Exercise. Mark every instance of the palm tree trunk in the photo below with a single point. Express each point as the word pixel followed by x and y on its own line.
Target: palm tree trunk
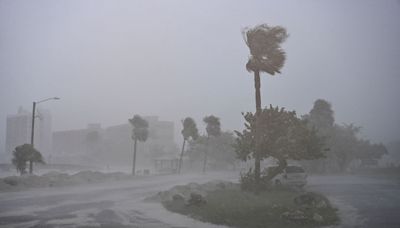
pixel 180 159
pixel 30 167
pixel 205 162
pixel 257 160
pixel 282 164
pixel 134 157
pixel 205 155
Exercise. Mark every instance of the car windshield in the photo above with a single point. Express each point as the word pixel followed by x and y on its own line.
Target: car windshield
pixel 294 169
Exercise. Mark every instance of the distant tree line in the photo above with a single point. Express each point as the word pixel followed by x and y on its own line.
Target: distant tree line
pixel 345 148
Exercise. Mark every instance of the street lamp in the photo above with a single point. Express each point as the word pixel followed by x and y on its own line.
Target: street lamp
pixel 33 124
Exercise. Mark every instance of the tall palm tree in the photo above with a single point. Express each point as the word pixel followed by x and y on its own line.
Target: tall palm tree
pixel 24 153
pixel 213 128
pixel 140 132
pixel 266 55
pixel 189 131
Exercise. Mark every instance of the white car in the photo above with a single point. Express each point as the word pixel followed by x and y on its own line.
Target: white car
pixel 292 175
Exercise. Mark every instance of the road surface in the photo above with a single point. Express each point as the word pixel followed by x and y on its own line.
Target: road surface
pixel 368 202
pixel 113 204
pixel 362 202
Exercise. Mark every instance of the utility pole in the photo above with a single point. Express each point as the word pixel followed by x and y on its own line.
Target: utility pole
pixel 33 127
pixel 32 135
pixel 33 123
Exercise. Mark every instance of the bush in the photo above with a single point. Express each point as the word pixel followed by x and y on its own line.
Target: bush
pixel 248 182
pixel 13 180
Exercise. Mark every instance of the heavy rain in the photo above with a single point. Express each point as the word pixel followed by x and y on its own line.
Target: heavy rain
pixel 198 114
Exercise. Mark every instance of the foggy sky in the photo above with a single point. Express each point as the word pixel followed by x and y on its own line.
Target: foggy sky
pixel 109 60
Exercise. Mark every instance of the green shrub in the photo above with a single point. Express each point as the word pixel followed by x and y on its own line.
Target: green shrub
pixel 248 182
pixel 13 181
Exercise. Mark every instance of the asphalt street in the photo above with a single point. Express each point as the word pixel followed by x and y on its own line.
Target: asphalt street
pixel 113 204
pixel 362 202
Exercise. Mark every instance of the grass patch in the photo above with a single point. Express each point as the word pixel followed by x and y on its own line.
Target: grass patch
pixel 245 210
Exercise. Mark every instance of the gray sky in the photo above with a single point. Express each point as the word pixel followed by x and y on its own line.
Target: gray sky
pixel 108 60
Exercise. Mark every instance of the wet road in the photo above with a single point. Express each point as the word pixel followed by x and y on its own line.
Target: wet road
pixel 368 202
pixel 113 204
pixel 363 202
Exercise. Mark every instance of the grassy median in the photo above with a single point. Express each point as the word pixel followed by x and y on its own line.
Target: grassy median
pixel 275 208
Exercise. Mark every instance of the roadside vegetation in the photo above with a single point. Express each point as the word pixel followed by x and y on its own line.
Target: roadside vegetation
pixel 283 137
pixel 213 129
pixel 270 133
pixel 189 131
pixel 226 204
pixel 346 149
pixel 140 133
pixel 24 154
pixel 266 55
pixel 221 153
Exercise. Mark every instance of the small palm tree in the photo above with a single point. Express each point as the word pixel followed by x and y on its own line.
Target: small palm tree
pixel 189 131
pixel 266 55
pixel 24 153
pixel 213 128
pixel 140 132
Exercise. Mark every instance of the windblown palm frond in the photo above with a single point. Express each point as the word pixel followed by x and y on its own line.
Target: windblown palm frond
pixel 189 129
pixel 264 44
pixel 140 128
pixel 213 127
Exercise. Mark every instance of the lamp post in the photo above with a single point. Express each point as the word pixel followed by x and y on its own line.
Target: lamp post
pixel 33 125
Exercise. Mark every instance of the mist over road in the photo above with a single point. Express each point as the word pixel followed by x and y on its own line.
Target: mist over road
pixel 112 204
pixel 362 202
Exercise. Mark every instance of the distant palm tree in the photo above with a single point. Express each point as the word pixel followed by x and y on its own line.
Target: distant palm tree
pixel 140 132
pixel 189 131
pixel 266 55
pixel 213 128
pixel 24 153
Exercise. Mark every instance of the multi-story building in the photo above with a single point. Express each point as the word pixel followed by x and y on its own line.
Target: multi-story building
pixel 18 132
pixel 113 146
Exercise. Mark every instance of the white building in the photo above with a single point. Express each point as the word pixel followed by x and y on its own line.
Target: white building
pixel 18 132
pixel 97 146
